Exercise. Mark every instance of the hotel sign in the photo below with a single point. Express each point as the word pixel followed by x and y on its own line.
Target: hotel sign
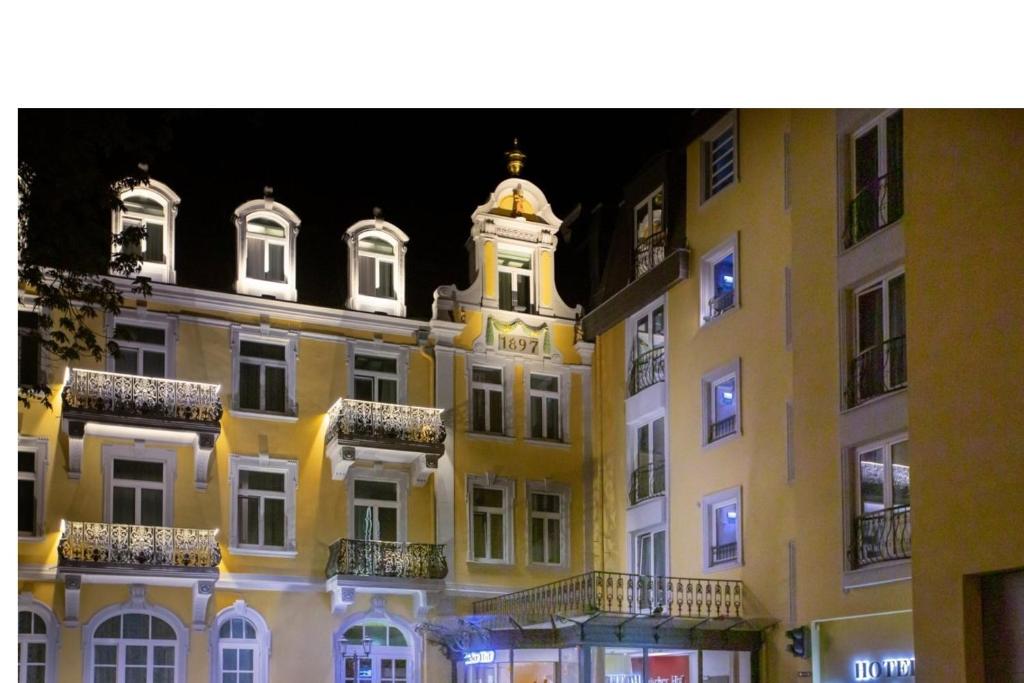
pixel 877 670
pixel 481 657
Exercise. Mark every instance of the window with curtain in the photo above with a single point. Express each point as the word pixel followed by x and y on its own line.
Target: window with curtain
pixel 144 211
pixel 264 249
pixel 515 270
pixel 376 266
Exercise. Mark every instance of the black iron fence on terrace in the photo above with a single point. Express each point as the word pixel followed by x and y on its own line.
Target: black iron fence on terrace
pixel 647 370
pixel 881 536
pixel 725 552
pixel 649 252
pixel 617 593
pixel 875 206
pixel 353 557
pixel 876 371
pixel 646 482
pixel 720 304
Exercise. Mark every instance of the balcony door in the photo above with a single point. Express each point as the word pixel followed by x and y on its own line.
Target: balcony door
pixel 376 509
pixel 648 475
pixel 390 659
pixel 138 485
pixel 650 557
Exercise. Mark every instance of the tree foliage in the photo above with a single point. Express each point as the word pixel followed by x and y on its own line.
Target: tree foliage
pixel 73 167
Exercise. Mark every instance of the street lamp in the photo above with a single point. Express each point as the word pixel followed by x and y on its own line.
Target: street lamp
pixel 343 648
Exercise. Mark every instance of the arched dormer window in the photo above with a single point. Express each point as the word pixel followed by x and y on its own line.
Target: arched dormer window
pixel 266 232
pixel 38 633
pixel 376 270
pixel 239 646
pixel 153 206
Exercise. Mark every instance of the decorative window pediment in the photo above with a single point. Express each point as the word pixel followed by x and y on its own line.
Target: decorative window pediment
pixel 266 233
pixel 153 206
pixel 376 267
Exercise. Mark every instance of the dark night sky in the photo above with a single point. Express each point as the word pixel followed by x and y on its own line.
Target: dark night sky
pixel 427 170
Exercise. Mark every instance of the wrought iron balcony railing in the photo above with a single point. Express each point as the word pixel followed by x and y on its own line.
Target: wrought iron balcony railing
pixel 647 370
pixel 649 252
pixel 722 428
pixel 352 557
pixel 646 482
pixel 720 304
pixel 407 427
pixel 881 536
pixel 875 206
pixel 617 593
pixel 876 371
pixel 102 545
pixel 725 552
pixel 123 395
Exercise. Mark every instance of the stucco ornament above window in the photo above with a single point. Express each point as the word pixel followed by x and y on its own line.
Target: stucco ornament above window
pixel 376 266
pixel 265 247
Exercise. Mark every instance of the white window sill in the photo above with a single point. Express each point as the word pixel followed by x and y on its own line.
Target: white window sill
pixel 262 552
pixel 489 563
pixel 874 399
pixel 548 567
pixel 846 250
pixel 554 443
pixel 269 417
pixel 718 442
pixel 711 321
pixel 733 183
pixel 30 539
pixel 722 566
pixel 490 436
pixel 877 574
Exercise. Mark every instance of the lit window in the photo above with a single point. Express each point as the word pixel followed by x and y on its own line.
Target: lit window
pixel 135 646
pixel 488 400
pixel 515 271
pixel 490 519
pixel 722 522
pixel 263 510
pixel 376 267
pixel 375 378
pixel 879 364
pixel 376 273
pixel 239 645
pixel 37 642
pixel 264 249
pixel 146 212
pixel 719 152
pixel 548 520
pixel 650 556
pixel 719 281
pixel 881 523
pixel 267 232
pixel 391 659
pixel 721 389
pixel 648 350
pixel 375 510
pixel 545 420
pixel 649 232
pixel 152 207
pixel 877 151
pixel 648 477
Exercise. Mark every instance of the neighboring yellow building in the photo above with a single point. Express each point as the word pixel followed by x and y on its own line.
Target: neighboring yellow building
pixel 795 308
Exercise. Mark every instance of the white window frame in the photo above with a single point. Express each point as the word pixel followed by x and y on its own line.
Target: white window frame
pixel 564 493
pixel 636 537
pixel 488 387
pixel 878 122
pixel 514 273
pixel 40 447
pixel 634 322
pixel 508 488
pixel 28 603
pixel 399 240
pixel 401 481
pixel 267 209
pixel 137 606
pixel 41 364
pixel 730 247
pixel 290 340
pixel 634 450
pixel 143 318
pixel 260 645
pixel 730 120
pixel 544 395
pixel 411 651
pixel 290 470
pixel 648 201
pixel 885 445
pixel 399 355
pixel 166 197
pixel 707 385
pixel 880 282
pixel 708 505
pixel 168 458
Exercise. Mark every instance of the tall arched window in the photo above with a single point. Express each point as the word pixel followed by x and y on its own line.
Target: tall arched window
pixel 239 646
pixel 376 271
pixel 392 656
pixel 153 206
pixel 37 642
pixel 135 643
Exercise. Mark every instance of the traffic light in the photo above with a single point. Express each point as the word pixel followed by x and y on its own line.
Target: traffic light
pixel 798 641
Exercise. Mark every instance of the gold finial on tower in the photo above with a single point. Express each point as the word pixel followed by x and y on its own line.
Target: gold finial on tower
pixel 516 158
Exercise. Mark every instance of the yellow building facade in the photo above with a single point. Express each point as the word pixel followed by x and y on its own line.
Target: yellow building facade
pixel 708 467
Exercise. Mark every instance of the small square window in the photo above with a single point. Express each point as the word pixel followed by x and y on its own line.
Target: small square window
pixel 721 401
pixel 722 517
pixel 719 281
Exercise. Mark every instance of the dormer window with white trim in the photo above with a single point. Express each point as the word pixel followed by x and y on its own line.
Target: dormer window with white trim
pixel 151 206
pixel 376 281
pixel 266 232
pixel 515 275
